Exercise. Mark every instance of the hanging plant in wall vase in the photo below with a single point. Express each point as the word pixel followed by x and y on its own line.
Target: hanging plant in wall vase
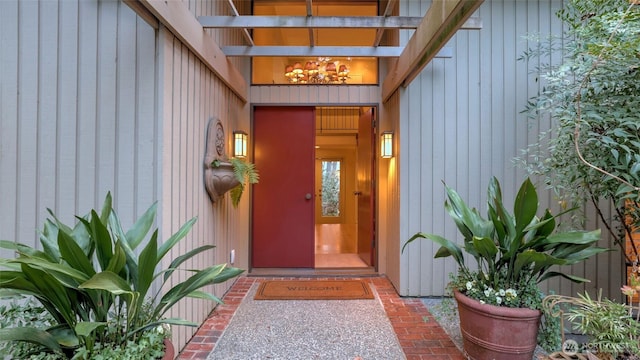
pixel 222 174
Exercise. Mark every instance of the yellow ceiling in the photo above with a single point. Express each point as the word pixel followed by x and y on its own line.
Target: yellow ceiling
pixel 322 37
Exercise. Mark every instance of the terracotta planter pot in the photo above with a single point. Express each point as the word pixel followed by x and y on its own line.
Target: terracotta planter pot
pixel 169 350
pixel 498 333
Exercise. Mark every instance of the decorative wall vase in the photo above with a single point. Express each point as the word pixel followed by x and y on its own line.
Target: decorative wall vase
pixel 218 172
pixel 496 332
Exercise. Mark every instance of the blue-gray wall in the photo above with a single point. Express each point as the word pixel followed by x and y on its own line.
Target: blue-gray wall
pixel 460 123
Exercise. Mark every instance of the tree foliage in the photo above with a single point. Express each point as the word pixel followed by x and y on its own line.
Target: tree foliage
pixel 592 151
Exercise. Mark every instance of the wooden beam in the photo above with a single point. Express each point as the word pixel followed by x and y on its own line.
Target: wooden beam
pixel 441 22
pixel 268 21
pixel 289 51
pixel 309 15
pixel 245 32
pixel 340 51
pixel 142 11
pixel 387 12
pixel 327 22
pixel 181 22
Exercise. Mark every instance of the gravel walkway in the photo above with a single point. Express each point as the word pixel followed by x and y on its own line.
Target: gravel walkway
pixel 308 329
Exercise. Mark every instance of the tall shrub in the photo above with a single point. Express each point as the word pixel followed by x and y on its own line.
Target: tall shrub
pixel 592 151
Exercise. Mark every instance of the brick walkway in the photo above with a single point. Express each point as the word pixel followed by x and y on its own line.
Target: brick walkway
pixel 418 332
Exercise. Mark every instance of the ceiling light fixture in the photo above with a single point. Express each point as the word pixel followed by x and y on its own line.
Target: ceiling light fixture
pixel 319 71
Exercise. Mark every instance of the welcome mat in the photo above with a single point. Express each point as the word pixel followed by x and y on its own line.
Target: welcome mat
pixel 313 290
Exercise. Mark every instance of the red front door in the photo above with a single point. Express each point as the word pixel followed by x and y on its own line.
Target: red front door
pixel 366 198
pixel 283 201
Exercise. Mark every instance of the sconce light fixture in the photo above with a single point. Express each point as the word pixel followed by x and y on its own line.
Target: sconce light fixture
pixel 239 144
pixel 386 144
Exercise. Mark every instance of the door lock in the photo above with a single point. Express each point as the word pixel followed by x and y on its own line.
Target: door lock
pixel 308 196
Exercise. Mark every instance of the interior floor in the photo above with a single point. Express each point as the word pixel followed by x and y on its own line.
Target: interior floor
pixel 336 246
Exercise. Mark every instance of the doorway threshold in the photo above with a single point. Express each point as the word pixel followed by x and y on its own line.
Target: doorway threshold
pixel 318 272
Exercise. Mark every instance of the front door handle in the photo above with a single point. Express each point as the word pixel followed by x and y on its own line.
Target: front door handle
pixel 308 196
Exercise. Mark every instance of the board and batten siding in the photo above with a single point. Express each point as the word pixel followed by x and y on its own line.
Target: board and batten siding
pixel 315 95
pixel 93 100
pixel 190 95
pixel 78 113
pixel 461 123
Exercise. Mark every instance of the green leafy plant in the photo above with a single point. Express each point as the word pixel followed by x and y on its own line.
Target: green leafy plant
pixel 95 286
pixel 591 152
pixel 245 173
pixel 511 251
pixel 612 331
pixel 20 312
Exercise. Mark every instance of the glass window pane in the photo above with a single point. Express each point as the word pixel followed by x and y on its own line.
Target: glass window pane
pixel 330 188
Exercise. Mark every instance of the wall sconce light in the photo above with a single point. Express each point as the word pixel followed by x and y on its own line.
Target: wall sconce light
pixel 386 144
pixel 239 144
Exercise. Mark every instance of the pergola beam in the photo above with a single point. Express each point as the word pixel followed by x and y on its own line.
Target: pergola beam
pixel 387 12
pixel 326 22
pixel 180 21
pixel 267 21
pixel 245 32
pixel 309 15
pixel 313 51
pixel 441 22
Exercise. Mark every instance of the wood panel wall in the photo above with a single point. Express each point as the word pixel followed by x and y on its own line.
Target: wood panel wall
pixel 314 95
pixel 190 94
pixel 93 99
pixel 460 123
pixel 78 112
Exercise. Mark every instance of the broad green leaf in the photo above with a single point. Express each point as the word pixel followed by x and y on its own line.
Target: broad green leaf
pixel 54 269
pixel 132 259
pixel 107 207
pixel 52 290
pixel 550 274
pixel 211 275
pixel 182 258
pixel 49 240
pixel 59 224
pixel 532 262
pixel 140 229
pixel 442 252
pixel 485 248
pixel 467 220
pixel 581 255
pixel 170 321
pixel 525 206
pixel 85 328
pixel 170 243
pixel 32 335
pixel 226 274
pixel 103 241
pixel 574 237
pixel 22 249
pixel 454 250
pixel 511 241
pixel 64 335
pixel 17 280
pixel 73 254
pixel 108 281
pixel 204 295
pixel 147 265
pixel 119 259
pixel 546 225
